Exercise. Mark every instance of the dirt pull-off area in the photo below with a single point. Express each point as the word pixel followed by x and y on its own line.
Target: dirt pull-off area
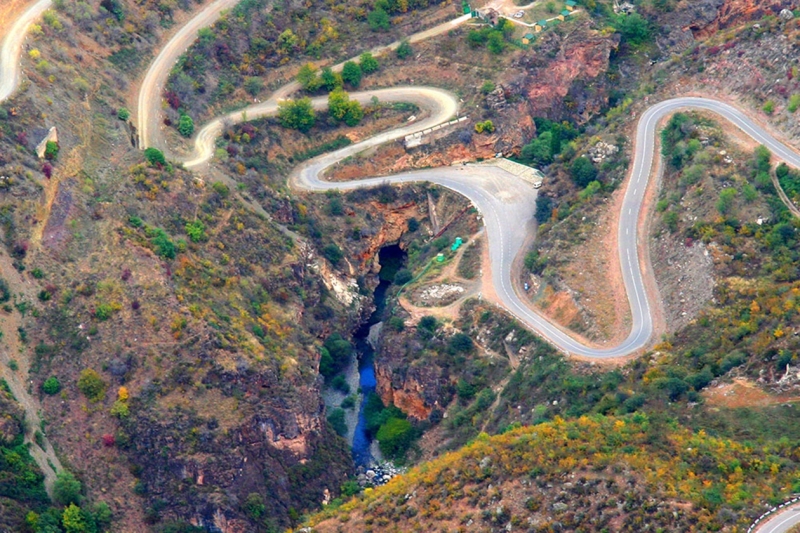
pixel 743 393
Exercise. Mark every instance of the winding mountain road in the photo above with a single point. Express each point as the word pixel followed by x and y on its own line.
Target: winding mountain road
pixel 506 202
pixel 781 522
pixel 11 48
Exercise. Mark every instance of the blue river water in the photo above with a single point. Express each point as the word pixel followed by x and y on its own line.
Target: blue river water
pixel 391 259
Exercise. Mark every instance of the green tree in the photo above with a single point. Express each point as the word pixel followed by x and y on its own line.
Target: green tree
pixel 633 28
pixel 539 150
pixel 196 231
pixel 330 79
pixel 66 489
pixel 92 385
pixel 254 506
pixel 769 107
pixel 461 342
pixel 368 63
pixel 582 171
pixel 351 73
pixel 186 125
pixel 51 150
pixel 336 420
pixel 253 86
pixel 287 41
pixel 297 114
pixel 403 276
pixel 76 520
pixel 394 437
pixel 404 50
pixel 307 78
pixel 725 202
pixel 794 102
pixel 51 386
pixel 333 253
pixel 341 108
pixel 155 157
pixel 378 19
pixel 496 43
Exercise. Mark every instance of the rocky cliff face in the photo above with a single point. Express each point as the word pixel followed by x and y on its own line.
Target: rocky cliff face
pixel 566 77
pixel 282 451
pixel 707 17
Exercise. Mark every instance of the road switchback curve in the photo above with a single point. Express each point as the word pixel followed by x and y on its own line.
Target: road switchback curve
pixel 11 48
pixel 507 203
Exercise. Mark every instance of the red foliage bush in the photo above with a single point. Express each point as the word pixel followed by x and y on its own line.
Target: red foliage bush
pixel 109 440
pixel 126 274
pixel 173 99
pixel 47 170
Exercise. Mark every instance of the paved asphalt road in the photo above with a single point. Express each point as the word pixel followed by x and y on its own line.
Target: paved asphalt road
pixel 509 218
pixel 781 522
pixel 12 48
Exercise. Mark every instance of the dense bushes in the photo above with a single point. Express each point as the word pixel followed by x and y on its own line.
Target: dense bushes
pixel 335 355
pixel 297 114
pixel 92 385
pixel 549 142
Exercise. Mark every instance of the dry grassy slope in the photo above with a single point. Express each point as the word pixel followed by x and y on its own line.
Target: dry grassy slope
pixel 591 474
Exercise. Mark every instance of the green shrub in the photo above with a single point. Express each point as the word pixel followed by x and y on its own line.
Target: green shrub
pixel 487 126
pixel 769 107
pixel 396 323
pixel 66 489
pixel 330 79
pixel 196 231
pixel 725 202
pixel 92 385
pixel 340 383
pixel 221 189
pixel 333 253
pixel 36 273
pixel 5 293
pixel 634 28
pixel 253 86
pixel 349 402
pixel 461 343
pixel 794 102
pixel 378 19
pixel 334 355
pixel 395 436
pixel 307 78
pixel 404 50
pixel 123 114
pixel 186 125
pixel 297 114
pixel 582 171
pixel 671 221
pixel 403 276
pixel 368 63
pixel 51 151
pixel 351 73
pixel 488 87
pixel 337 422
pixel 155 157
pixel 51 386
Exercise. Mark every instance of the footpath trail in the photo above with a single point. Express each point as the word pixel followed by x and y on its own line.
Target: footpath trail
pixel 45 456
